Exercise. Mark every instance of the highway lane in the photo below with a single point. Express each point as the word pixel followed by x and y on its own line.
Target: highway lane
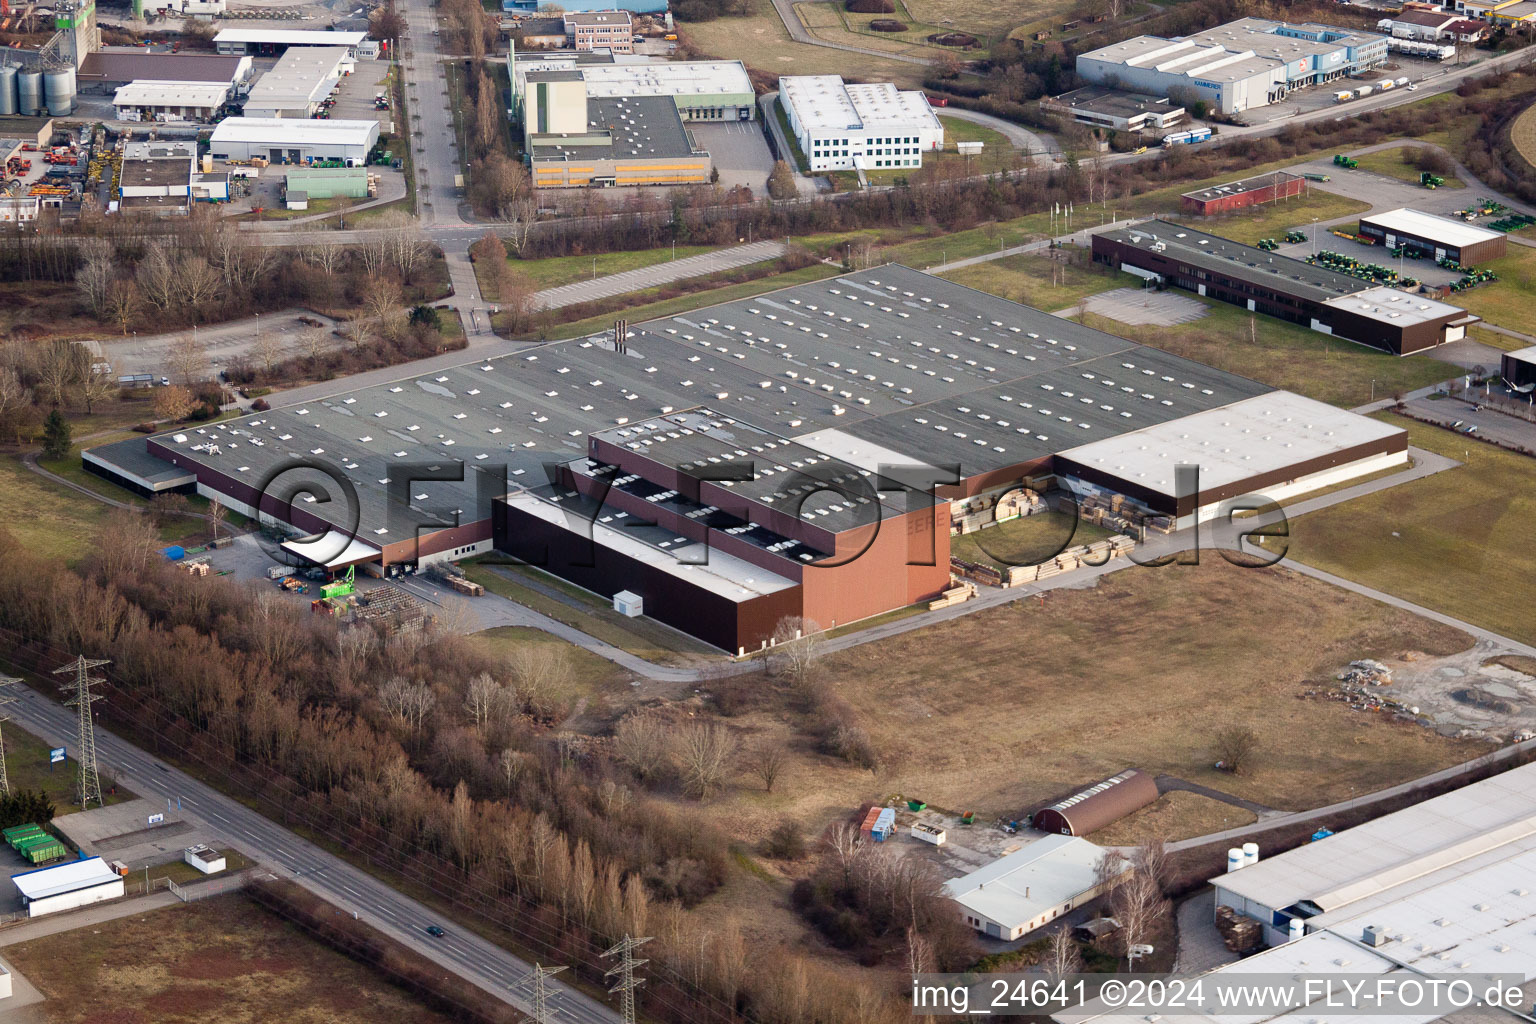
pixel 290 856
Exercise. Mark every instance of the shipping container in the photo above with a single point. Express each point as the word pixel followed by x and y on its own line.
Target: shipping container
pixel 928 834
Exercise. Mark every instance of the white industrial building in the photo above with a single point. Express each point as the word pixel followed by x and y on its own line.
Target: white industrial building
pixel 292 140
pixel 869 127
pixel 1442 888
pixel 18 209
pixel 703 90
pixel 272 41
pixel 1234 67
pixel 66 886
pixel 298 82
pixel 169 101
pixel 204 858
pixel 1028 888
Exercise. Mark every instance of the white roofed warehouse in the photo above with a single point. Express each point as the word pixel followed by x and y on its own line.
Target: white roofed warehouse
pixel 269 42
pixel 1029 888
pixel 1465 243
pixel 169 101
pixel 292 140
pixel 66 886
pixel 844 127
pixel 298 82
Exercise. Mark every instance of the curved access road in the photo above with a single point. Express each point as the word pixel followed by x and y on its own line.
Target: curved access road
pixel 1023 139
pixel 799 33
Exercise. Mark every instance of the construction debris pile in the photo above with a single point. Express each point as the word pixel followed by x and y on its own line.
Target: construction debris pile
pixel 1238 933
pixel 1366 672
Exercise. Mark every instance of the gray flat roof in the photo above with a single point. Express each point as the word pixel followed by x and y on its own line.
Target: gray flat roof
pixel 131 66
pixel 170 171
pixel 1114 102
pixel 1293 276
pixel 638 127
pixel 892 358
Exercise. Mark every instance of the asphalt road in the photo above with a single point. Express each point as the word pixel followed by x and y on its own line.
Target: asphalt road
pixel 289 856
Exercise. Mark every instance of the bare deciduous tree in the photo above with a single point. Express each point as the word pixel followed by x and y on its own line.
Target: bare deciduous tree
pixel 643 743
pixel 768 761
pixel 1062 957
pixel 216 514
pixel 1234 746
pixel 484 699
pixel 266 350
pixel 796 649
pixel 705 754
pixel 409 702
pixel 188 358
pixel 96 386
pixel 540 672
pixel 173 403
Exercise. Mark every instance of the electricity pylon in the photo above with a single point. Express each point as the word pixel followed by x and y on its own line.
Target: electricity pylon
pixel 541 1014
pixel 90 781
pixel 6 697
pixel 625 969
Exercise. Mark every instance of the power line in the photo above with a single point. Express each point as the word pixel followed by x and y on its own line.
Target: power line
pixel 90 781
pixel 625 969
pixel 6 697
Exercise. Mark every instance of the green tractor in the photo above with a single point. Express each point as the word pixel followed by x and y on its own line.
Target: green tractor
pixel 1295 236
pixel 1430 180
pixel 1268 244
pixel 1340 160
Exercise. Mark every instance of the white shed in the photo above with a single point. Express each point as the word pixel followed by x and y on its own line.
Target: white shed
pixel 627 602
pixel 66 886
pixel 205 858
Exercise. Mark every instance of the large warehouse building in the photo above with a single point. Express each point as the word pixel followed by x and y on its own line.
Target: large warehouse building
pixel 66 886
pixel 1279 286
pixel 298 82
pixel 767 457
pixel 1029 888
pixel 107 70
pixel 1434 236
pixel 292 140
pixel 1247 63
pixel 869 127
pixel 702 90
pixel 572 139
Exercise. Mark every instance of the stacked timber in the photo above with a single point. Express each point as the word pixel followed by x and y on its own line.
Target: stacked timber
pixel 1238 933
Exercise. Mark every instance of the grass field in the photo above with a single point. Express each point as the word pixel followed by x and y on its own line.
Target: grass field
pixel 1026 541
pixel 1455 542
pixel 650 309
pixel 586 612
pixel 592 678
pixel 222 959
pixel 835 24
pixel 1273 220
pixel 1399 163
pixel 1043 283
pixel 558 270
pixel 49 518
pixel 761 42
pixel 27 767
pixel 1510 300
pixel 1011 706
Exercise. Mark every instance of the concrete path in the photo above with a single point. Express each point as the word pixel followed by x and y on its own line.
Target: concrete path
pixel 658 274
pixel 806 186
pixel 1200 945
pixel 1172 783
pixel 71 920
pixel 1022 138
pixel 1080 237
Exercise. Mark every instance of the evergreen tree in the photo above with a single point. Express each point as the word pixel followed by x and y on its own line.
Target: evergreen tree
pixel 57 436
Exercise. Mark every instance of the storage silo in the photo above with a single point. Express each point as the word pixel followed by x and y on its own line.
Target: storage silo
pixel 29 93
pixel 59 91
pixel 7 89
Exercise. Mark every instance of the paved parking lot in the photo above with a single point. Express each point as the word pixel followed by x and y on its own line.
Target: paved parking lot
pixel 1139 308
pixel 739 151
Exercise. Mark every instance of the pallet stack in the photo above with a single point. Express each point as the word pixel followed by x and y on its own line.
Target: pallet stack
pixel 464 586
pixel 1238 933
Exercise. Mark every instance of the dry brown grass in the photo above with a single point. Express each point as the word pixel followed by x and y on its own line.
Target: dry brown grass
pixel 222 959
pixel 1175 815
pixel 1001 710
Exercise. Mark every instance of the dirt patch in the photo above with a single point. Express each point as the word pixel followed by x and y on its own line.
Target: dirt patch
pixel 209 960
pixel 1481 692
